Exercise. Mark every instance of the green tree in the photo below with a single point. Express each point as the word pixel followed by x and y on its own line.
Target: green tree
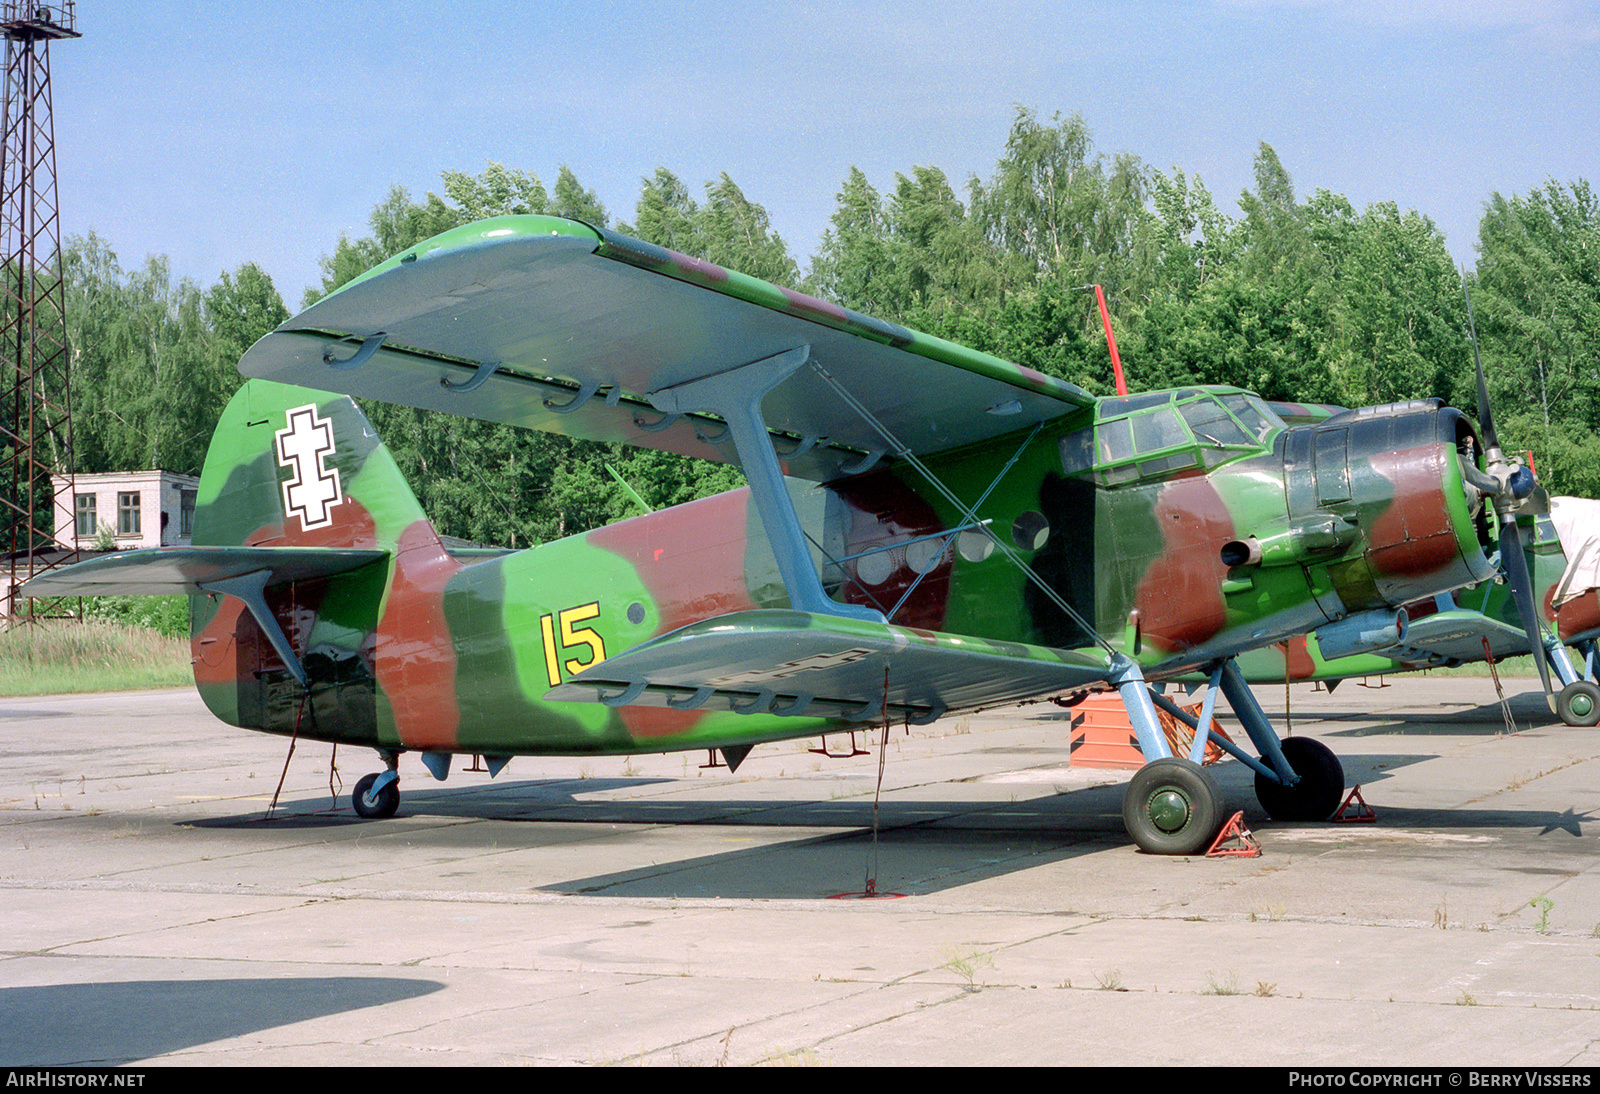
pixel 1537 299
pixel 397 222
pixel 853 265
pixel 242 307
pixel 1059 207
pixel 498 191
pixel 666 215
pixel 575 203
pixel 1400 317
pixel 737 235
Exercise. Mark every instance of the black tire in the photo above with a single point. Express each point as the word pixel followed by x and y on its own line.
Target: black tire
pixel 1172 807
pixel 1316 795
pixel 1579 704
pixel 379 806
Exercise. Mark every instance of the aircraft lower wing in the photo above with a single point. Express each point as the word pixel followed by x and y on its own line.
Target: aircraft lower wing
pixel 796 663
pixel 192 569
pixel 551 324
pixel 1457 634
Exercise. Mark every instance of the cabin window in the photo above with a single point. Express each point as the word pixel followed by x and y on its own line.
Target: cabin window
pixel 1157 430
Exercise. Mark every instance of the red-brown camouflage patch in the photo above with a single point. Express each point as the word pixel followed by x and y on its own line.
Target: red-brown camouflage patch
pixel 1579 615
pixel 1413 536
pixel 415 659
pixel 690 558
pixel 1180 596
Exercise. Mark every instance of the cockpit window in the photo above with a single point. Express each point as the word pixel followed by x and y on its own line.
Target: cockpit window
pixel 1114 440
pixel 1144 436
pixel 1077 450
pixel 1213 424
pixel 1253 413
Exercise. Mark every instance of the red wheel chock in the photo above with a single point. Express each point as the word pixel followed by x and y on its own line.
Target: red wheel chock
pixel 1241 843
pixel 1355 809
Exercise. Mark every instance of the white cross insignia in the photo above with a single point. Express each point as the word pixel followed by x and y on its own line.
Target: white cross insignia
pixel 313 488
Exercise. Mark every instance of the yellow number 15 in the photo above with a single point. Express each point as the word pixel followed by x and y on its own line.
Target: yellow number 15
pixel 571 638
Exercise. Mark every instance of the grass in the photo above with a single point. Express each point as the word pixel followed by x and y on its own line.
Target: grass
pixel 1542 904
pixel 1518 666
pixel 1225 984
pixel 61 657
pixel 967 963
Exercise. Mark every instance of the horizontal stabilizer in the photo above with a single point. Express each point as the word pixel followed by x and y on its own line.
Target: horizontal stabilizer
pixel 796 663
pixel 165 570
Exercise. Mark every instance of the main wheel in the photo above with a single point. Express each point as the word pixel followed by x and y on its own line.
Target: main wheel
pixel 1579 704
pixel 379 806
pixel 1172 807
pixel 1316 795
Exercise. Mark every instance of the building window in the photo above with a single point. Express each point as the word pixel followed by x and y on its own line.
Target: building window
pixel 186 513
pixel 87 523
pixel 128 513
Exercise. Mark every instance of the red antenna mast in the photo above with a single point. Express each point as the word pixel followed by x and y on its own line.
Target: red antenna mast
pixel 1111 341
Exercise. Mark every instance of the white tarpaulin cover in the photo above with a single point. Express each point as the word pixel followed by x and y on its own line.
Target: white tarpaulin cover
pixel 1577 522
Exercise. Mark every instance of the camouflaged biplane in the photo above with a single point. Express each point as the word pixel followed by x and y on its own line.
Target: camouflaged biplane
pixel 927 529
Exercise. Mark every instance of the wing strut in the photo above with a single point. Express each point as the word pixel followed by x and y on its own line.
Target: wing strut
pixel 736 395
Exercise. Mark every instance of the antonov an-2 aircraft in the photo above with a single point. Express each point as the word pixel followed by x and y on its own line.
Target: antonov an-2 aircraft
pixel 927 529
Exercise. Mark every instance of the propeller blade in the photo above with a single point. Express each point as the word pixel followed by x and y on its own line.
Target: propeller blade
pixel 1515 565
pixel 1485 415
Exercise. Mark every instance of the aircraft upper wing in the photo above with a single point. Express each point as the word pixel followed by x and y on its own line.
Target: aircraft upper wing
pixel 551 324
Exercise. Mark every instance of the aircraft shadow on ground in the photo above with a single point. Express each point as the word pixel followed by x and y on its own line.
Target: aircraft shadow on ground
pixel 921 848
pixel 1528 711
pixel 112 1025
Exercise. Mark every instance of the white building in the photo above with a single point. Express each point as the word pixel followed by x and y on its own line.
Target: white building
pixel 136 508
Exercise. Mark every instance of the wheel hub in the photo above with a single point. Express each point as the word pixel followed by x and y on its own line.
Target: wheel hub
pixel 1581 704
pixel 1168 809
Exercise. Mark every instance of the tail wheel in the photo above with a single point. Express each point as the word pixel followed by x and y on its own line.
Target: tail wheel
pixel 1172 807
pixel 1579 704
pixel 375 806
pixel 1316 795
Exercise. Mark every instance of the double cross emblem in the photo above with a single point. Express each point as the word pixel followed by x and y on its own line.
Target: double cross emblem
pixel 313 488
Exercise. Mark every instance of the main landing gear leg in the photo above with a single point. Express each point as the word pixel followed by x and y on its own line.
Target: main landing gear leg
pixel 1296 780
pixel 1171 806
pixel 377 796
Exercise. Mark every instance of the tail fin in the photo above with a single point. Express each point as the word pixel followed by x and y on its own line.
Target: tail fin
pixel 294 467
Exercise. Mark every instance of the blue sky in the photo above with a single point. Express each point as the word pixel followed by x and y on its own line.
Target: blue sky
pixel 218 134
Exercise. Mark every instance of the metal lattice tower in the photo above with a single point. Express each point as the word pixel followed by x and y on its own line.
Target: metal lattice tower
pixel 36 416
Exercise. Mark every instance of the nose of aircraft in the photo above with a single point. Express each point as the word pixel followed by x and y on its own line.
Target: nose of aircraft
pixel 1390 477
